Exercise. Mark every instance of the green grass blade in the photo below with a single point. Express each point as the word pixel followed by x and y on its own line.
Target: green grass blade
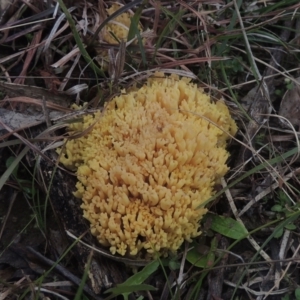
pixel 84 278
pixel 78 41
pixel 13 165
pixel 168 30
pixel 133 29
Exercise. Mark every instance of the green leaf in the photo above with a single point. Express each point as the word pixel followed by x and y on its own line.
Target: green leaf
pixel 174 265
pixel 141 276
pixel 290 226
pixel 276 208
pixel 297 293
pixel 201 260
pixel 134 283
pixel 196 259
pixel 278 233
pixel 290 86
pixel 283 198
pixel 228 227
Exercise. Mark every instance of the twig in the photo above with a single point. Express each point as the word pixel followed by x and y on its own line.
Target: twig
pixel 127 261
pixel 63 271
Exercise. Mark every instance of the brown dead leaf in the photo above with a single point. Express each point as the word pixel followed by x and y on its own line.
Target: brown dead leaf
pixel 13 89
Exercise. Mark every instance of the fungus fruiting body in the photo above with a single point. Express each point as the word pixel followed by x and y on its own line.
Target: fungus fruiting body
pixel 115 31
pixel 147 164
pixel 118 28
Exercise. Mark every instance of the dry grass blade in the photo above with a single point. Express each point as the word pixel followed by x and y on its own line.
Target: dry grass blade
pixel 116 62
pixel 55 30
pixel 30 20
pixel 123 9
pixel 25 141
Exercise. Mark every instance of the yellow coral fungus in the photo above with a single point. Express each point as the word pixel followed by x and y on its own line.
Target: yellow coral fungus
pixel 148 163
pixel 115 31
pixel 119 27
